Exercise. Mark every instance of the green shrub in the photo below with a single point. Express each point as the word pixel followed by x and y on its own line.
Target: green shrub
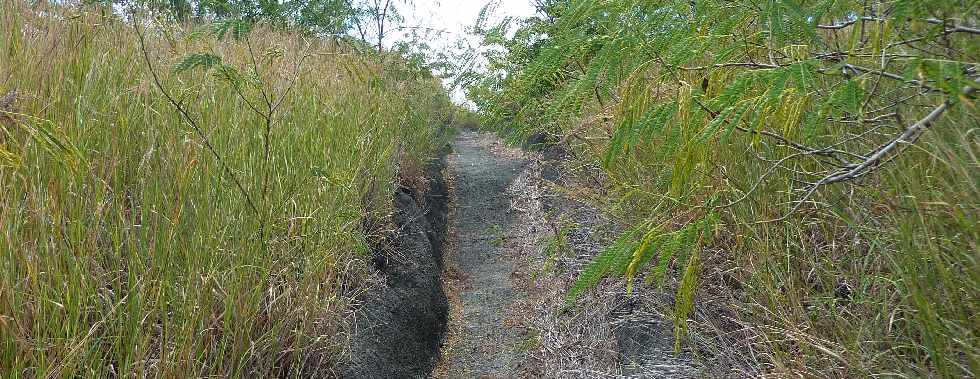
pixel 825 153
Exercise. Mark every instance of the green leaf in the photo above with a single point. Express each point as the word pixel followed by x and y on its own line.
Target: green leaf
pixel 596 270
pixel 239 29
pixel 193 61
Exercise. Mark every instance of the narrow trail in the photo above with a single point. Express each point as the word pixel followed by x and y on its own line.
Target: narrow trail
pixel 506 298
pixel 480 344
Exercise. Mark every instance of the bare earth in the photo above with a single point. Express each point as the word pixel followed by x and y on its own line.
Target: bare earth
pixel 506 294
pixel 480 344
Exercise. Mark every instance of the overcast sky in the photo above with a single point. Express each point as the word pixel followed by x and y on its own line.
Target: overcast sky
pixel 455 17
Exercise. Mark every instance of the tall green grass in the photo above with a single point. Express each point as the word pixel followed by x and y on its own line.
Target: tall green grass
pixel 127 250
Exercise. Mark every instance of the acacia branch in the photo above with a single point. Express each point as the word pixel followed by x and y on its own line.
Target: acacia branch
pixel 876 159
pixel 954 28
pixel 782 140
pixel 193 124
pixel 910 135
pixel 732 64
pixel 846 23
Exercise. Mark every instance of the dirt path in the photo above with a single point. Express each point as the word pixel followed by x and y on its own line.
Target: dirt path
pixel 480 344
pixel 507 295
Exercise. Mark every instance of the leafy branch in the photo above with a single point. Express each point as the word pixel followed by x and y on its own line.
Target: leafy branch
pixel 190 120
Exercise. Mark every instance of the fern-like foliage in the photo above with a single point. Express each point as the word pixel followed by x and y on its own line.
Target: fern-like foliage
pixel 724 109
pixel 236 28
pixel 636 248
pixel 210 62
pixel 197 60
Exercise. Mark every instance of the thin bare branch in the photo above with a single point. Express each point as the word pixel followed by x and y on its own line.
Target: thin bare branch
pixel 191 122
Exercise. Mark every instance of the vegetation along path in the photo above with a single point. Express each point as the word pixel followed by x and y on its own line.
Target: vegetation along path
pixel 480 344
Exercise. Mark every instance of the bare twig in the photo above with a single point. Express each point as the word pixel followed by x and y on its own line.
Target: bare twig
pixel 874 160
pixel 910 135
pixel 954 28
pixel 191 122
pixel 732 64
